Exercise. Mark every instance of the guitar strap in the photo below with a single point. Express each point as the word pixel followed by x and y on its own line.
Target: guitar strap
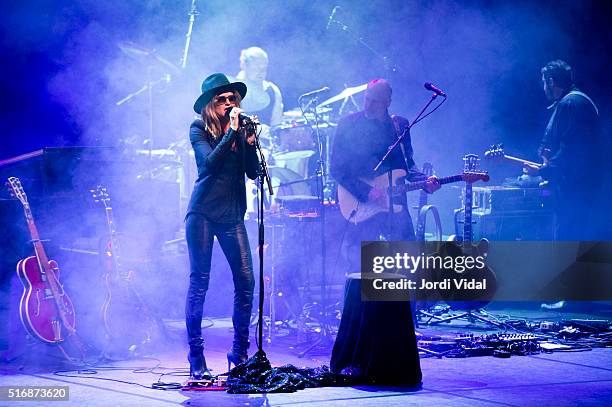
pixel 584 95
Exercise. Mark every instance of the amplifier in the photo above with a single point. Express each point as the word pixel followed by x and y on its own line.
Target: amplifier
pixel 526 225
pixel 502 199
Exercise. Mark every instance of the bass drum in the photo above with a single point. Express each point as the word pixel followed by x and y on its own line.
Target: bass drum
pixel 285 182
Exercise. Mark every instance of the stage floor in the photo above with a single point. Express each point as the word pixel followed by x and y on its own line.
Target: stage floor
pixel 544 379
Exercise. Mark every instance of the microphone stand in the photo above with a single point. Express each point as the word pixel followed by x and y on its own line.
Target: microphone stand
pixel 264 176
pixel 388 153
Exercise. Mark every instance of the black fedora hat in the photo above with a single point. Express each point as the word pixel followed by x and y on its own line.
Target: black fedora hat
pixel 215 84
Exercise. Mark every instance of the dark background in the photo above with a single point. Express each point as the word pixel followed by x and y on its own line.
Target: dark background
pixel 63 69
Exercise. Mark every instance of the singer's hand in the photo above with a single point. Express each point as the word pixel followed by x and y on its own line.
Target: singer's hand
pixel 234 120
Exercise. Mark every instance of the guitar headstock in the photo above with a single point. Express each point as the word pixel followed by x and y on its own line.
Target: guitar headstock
pixel 16 190
pixel 495 151
pixel 471 173
pixel 100 194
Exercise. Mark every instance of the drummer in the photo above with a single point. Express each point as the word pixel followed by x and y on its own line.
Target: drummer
pixel 264 98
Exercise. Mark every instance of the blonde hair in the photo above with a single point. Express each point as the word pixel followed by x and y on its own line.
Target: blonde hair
pixel 249 54
pixel 210 118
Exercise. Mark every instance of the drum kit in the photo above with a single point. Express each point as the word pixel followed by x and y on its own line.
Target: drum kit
pixel 294 149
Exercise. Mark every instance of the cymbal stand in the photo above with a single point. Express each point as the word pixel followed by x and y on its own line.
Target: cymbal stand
pixel 345 102
pixel 193 12
pixel 325 338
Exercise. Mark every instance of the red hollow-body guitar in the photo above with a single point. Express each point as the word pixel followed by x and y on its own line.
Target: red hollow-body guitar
pixel 45 309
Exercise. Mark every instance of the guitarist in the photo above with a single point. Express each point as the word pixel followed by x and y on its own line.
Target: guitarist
pixel 361 140
pixel 572 153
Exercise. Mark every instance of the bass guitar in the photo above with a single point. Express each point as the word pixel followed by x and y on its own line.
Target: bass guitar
pixel 45 309
pixel 355 211
pixel 496 151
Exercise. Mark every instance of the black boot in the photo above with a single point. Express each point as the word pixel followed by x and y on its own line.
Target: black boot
pixel 240 345
pixel 197 363
pixel 236 356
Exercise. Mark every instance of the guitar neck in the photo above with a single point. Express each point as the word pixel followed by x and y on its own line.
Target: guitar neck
pixel 521 161
pixel 413 186
pixel 467 218
pixel 115 258
pixel 38 247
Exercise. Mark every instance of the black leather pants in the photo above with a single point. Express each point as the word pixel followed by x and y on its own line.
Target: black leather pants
pixel 235 245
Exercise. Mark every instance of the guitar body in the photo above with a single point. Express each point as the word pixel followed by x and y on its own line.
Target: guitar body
pixel 38 309
pixel 467 299
pixel 355 211
pixel 125 316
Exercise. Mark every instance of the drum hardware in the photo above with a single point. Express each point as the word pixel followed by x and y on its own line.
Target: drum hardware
pixel 153 63
pixel 285 183
pixel 344 95
pixel 145 56
pixel 325 336
pixel 296 134
pixel 300 162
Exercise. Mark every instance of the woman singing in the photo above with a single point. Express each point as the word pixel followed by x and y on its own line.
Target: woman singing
pixel 224 152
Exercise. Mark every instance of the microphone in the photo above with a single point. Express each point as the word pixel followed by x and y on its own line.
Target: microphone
pixel 435 90
pixel 243 117
pixel 331 17
pixel 314 93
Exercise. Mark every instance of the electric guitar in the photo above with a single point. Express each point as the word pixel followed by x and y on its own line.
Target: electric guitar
pixel 464 246
pixel 497 152
pixel 355 211
pixel 126 318
pixel 45 309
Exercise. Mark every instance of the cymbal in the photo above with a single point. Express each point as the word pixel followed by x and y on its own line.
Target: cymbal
pixel 297 113
pixel 344 94
pixel 145 56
